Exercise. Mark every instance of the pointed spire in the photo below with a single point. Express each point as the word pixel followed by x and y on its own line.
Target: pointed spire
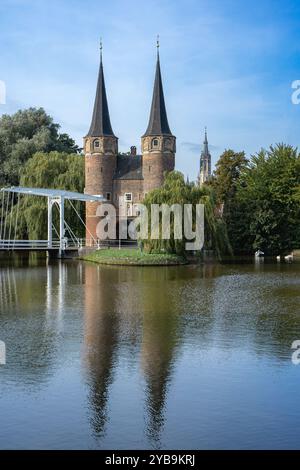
pixel 101 47
pixel 100 125
pixel 205 150
pixel 205 138
pixel 158 122
pixel 205 162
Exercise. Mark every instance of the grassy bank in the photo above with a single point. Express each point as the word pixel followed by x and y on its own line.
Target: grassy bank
pixel 132 257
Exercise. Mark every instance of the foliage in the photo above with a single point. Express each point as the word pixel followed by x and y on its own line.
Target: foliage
pixel 268 192
pixel 226 176
pixel 22 135
pixel 260 199
pixel 229 168
pixel 176 191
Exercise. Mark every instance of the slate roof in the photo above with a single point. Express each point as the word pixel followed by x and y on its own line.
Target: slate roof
pixel 158 122
pixel 100 125
pixel 129 167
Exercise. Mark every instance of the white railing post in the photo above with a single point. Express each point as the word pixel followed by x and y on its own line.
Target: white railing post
pixel 61 225
pixel 50 205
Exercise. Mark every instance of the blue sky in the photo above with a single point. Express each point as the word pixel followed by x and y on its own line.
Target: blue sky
pixel 226 64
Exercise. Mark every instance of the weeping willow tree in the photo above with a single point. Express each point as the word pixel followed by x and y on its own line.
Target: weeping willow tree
pixel 216 236
pixel 176 191
pixel 52 170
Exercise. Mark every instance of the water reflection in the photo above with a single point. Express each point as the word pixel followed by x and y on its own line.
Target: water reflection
pixel 30 339
pixel 120 316
pixel 101 325
pixel 8 289
pixel 142 312
pixel 158 351
pixel 120 336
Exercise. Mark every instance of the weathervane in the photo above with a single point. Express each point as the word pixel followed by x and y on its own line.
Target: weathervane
pixel 157 43
pixel 101 47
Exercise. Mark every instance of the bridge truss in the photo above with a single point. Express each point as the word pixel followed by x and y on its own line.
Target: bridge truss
pixel 55 197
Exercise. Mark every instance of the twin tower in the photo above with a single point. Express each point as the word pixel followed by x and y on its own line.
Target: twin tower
pixel 125 179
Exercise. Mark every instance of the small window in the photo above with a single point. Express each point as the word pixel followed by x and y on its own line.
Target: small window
pixel 101 169
pixel 155 142
pixel 108 196
pixel 96 144
pixel 128 197
pixel 149 169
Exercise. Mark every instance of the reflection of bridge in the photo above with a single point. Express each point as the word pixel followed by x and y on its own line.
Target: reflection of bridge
pixel 55 197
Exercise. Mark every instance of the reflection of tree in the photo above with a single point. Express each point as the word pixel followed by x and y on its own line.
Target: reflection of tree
pixel 101 341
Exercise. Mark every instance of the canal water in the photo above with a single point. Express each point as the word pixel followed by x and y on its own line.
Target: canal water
pixel 194 357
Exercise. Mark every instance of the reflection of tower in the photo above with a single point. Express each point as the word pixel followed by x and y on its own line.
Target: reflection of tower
pixel 205 163
pixel 158 349
pixel 101 341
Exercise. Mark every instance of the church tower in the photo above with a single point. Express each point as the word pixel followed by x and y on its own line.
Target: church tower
pixel 100 149
pixel 158 143
pixel 205 163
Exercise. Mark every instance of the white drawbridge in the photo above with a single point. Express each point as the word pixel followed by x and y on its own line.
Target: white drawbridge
pixel 55 197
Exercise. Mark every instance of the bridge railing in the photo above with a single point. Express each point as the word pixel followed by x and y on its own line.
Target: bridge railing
pixel 67 244
pixel 28 244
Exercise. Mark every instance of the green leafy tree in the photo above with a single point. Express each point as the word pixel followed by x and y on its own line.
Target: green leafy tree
pixel 225 182
pixel 269 191
pixel 25 133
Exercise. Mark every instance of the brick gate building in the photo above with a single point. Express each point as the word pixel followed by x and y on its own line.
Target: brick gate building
pixel 125 179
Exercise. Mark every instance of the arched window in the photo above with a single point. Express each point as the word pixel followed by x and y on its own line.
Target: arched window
pixel 155 143
pixel 96 144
